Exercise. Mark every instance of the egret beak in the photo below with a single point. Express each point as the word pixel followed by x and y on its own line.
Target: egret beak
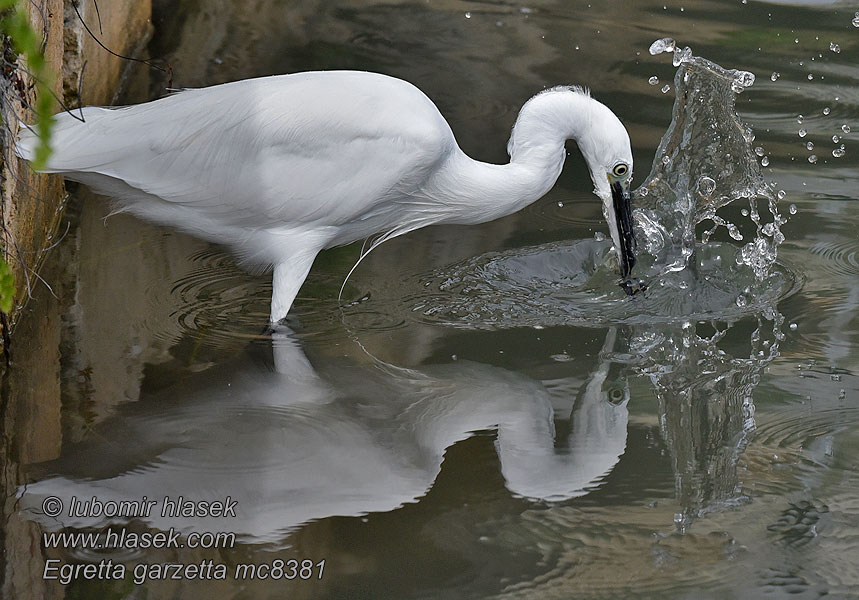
pixel 623 218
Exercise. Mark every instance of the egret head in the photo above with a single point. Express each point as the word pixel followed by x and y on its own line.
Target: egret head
pixel 604 144
pixel 568 112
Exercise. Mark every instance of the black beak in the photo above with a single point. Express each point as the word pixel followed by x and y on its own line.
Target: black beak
pixel 623 218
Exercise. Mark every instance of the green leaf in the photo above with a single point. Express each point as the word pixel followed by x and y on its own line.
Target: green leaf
pixel 7 287
pixel 15 24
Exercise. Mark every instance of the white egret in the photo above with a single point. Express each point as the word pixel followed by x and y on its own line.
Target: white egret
pixel 279 168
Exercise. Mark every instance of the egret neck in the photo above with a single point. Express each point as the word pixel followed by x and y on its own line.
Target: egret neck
pixel 475 192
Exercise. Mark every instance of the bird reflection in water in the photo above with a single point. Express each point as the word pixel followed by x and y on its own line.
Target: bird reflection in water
pixel 293 444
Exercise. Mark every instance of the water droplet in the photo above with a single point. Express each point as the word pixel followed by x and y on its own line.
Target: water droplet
pixel 654 80
pixel 468 15
pixel 706 185
pixel 856 20
pixel 665 88
pixel 681 56
pixel 842 394
pixel 845 128
pixel 759 151
pixel 795 40
pixel 599 236
pixel 827 110
pixel 839 152
pixel 775 75
pixel 793 326
pixel 663 45
pixel 781 194
pixel 666 160
pixel 834 47
pixel 835 139
pixel 812 159
pixel 560 204
pixel 802 132
pixel 810 76
pixel 745 212
pixel 809 146
pixel 765 161
pixel 741 300
pixel 799 118
pixel 745 78
pixel 742 80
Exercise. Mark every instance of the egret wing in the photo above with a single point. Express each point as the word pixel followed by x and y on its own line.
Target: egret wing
pixel 322 148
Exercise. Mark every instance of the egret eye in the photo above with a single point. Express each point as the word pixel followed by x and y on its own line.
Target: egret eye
pixel 620 170
pixel 615 395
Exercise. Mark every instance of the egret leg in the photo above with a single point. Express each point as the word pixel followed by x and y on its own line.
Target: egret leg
pixel 286 281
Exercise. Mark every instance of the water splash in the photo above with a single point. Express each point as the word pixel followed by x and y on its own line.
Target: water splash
pixel 706 402
pixel 704 162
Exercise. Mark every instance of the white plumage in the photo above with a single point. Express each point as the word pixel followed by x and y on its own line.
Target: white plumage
pixel 279 168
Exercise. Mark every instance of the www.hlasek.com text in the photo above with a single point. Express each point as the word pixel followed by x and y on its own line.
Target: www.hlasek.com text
pixel 132 540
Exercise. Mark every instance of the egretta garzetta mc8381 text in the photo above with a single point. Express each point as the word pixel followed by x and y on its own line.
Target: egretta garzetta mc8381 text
pixel 279 168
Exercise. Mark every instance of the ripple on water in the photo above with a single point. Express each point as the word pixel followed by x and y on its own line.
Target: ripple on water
pixel 582 550
pixel 367 319
pixel 796 449
pixel 799 430
pixel 573 283
pixel 824 317
pixel 220 301
pixel 841 257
